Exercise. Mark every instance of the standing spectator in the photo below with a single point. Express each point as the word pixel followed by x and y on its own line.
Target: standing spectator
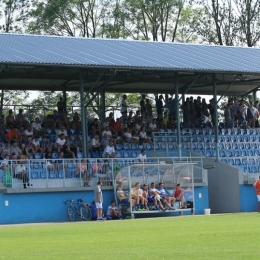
pixel 20 119
pixel 123 105
pixel 159 105
pixel 252 115
pixel 10 119
pixel 149 111
pixel 20 173
pixel 256 186
pixel 61 105
pixel 142 106
pixel 98 200
pixel 228 118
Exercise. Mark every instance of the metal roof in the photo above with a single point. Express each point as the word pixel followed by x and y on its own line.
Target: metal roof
pixel 89 52
pixel 36 62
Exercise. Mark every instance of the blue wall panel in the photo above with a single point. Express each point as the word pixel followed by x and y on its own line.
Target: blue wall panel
pixel 42 207
pixel 248 200
pixel 50 207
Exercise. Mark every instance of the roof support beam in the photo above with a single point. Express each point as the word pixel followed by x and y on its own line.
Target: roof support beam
pixel 83 116
pixel 227 88
pixel 252 90
pixel 101 88
pixel 191 85
pixel 94 85
pixel 178 126
pixel 216 116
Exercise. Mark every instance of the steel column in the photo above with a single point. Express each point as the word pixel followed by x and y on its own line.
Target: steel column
pixel 178 126
pixel 216 116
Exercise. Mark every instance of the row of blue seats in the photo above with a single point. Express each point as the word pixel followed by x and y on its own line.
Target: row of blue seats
pixel 247 168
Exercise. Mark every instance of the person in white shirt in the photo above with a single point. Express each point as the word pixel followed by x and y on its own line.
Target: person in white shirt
pixel 153 126
pixel 107 131
pixel 141 158
pixel 36 144
pixel 155 197
pixel 29 131
pixel 60 142
pixel 143 137
pixel 20 173
pixel 129 138
pixel 62 130
pixel 123 105
pixel 95 144
pixel 37 127
pixel 109 151
pixel 113 212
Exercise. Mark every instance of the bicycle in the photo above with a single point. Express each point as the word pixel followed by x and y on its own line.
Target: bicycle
pixel 77 208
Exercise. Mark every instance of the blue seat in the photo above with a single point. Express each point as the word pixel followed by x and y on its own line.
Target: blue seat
pixel 42 174
pixel 251 161
pixel 157 146
pixel 253 146
pixel 237 161
pixel 119 154
pixel 234 146
pixel 244 161
pixel 80 155
pixel 60 174
pixel 126 146
pixel 170 146
pixel 37 156
pixel 54 155
pixel 236 153
pixel 247 146
pixel 228 146
pixel 148 146
pixel 119 147
pixel 134 154
pixel 224 161
pixel 231 161
pixel 222 153
pixel 126 154
pixel 52 175
pixel 134 146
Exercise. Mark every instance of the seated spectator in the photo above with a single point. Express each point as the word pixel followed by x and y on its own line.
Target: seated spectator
pixel 113 212
pixel 106 123
pixel 49 162
pixel 94 145
pixel 78 142
pixel 152 127
pixel 130 123
pixel 127 137
pixel 106 131
pixel 117 126
pixel 16 149
pixel 82 170
pixel 36 145
pixel 20 173
pixel 168 201
pixel 71 144
pixel 104 142
pixel 29 131
pixel 45 144
pixel 109 151
pixel 137 117
pixel 137 195
pixel 24 152
pixel 155 197
pixel 59 162
pixel 178 194
pixel 59 143
pixel 138 126
pixel 12 135
pixel 67 152
pixel 4 163
pixel 95 128
pixel 10 119
pixel 123 198
pixel 111 118
pixel 20 119
pixel 6 151
pixel 145 195
pixel 143 137
pixel 28 144
pixel 62 130
pixel 141 158
pixel 37 127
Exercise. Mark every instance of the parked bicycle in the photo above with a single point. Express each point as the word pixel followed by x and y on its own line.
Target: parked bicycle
pixel 82 210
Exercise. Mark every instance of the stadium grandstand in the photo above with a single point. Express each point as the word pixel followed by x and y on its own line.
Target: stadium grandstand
pixel 53 159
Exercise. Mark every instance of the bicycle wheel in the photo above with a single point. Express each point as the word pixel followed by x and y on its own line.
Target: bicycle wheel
pixel 86 213
pixel 71 214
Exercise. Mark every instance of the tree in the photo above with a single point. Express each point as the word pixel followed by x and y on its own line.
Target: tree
pixel 249 21
pixel 13 15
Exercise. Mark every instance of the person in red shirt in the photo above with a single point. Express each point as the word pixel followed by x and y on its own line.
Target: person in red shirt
pixel 12 135
pixel 178 194
pixel 256 186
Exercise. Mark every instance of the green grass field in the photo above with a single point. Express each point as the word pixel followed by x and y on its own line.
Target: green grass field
pixel 231 236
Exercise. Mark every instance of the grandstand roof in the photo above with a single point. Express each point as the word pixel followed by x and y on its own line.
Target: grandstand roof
pixel 50 63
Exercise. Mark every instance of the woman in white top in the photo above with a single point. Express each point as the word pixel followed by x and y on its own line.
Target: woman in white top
pixel 143 137
pixel 129 138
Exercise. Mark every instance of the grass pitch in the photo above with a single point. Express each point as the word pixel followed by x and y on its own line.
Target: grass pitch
pixel 231 236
